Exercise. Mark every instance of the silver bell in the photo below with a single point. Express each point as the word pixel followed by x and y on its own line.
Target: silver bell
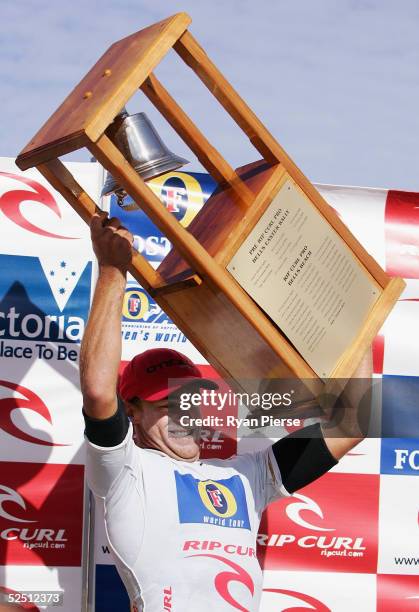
pixel 142 147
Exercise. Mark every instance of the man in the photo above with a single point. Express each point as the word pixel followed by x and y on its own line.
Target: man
pixel 182 530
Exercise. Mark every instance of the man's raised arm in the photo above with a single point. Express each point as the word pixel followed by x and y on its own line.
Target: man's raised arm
pixel 308 453
pixel 100 352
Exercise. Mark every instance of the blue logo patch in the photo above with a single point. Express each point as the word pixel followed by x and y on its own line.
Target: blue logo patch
pixel 214 502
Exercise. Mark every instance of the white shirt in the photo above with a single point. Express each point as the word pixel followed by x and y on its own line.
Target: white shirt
pixel 183 535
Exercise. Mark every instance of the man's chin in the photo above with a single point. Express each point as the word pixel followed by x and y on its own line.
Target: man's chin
pixel 184 449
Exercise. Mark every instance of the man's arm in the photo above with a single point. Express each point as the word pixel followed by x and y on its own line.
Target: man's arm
pixel 100 352
pixel 310 452
pixel 109 445
pixel 349 420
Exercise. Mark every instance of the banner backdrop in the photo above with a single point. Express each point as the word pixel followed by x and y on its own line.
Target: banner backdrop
pixel 347 541
pixel 45 289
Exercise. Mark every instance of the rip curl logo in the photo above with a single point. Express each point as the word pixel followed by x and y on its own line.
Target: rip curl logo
pixel 10 203
pixel 29 401
pixel 11 496
pixel 223 580
pixel 305 505
pixel 316 605
pixel 55 538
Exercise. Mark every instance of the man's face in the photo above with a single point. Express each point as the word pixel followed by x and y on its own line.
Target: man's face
pixel 157 425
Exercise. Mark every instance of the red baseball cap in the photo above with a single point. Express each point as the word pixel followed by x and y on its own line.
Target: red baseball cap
pixel 147 375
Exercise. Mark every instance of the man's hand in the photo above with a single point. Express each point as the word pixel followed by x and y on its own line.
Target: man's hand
pixel 112 243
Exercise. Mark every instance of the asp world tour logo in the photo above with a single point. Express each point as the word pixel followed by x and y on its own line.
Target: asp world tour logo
pixel 43 299
pixel 138 307
pixel 211 502
pixel 144 321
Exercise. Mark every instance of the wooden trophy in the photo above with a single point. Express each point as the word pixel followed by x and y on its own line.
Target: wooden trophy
pixel 267 281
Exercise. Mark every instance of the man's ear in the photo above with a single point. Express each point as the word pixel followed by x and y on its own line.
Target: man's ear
pixel 129 409
pixel 132 407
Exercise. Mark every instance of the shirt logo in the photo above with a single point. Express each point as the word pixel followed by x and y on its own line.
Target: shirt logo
pixel 221 502
pixel 217 498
